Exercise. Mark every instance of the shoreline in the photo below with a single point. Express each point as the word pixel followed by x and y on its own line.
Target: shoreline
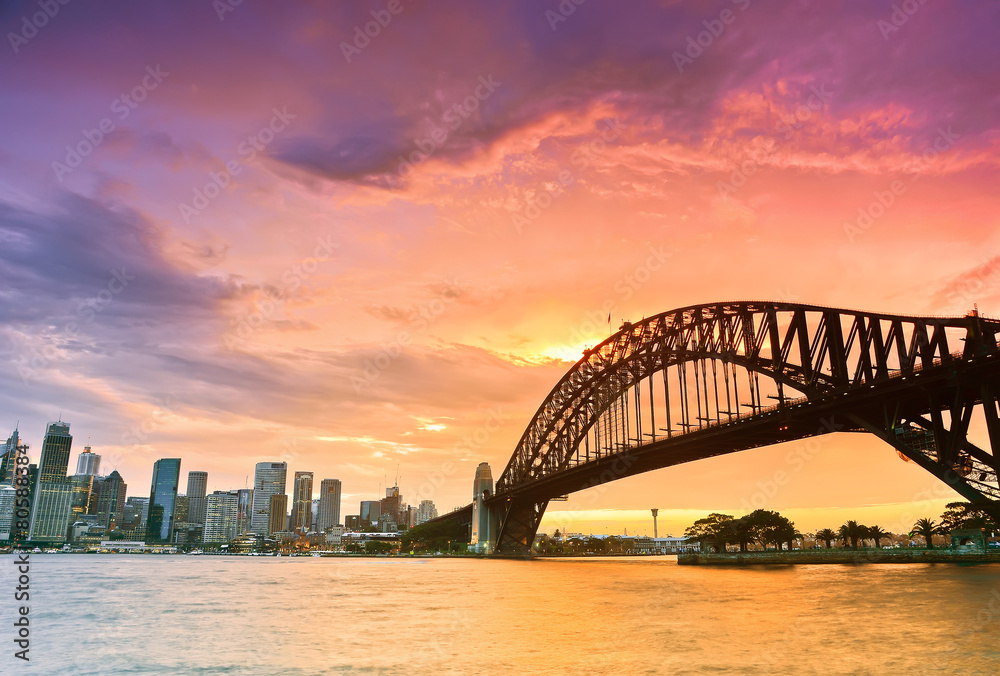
pixel 838 557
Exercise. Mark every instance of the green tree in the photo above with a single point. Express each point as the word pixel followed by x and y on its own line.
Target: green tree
pixel 715 528
pixel 965 515
pixel 827 535
pixel 927 529
pixel 852 531
pixel 877 534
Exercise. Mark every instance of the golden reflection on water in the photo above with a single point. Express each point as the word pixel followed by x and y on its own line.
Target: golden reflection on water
pixel 550 616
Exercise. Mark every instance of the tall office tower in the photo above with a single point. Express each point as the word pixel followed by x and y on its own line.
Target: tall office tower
pixel 88 462
pixel 197 485
pixel 83 486
pixel 391 507
pixel 278 512
pixel 181 509
pixel 268 480
pixel 370 512
pixel 221 508
pixel 162 498
pixel 8 494
pixel 329 505
pixel 110 504
pixel 8 458
pixel 302 495
pixel 53 494
pixel 426 511
pixel 243 510
pixel 481 490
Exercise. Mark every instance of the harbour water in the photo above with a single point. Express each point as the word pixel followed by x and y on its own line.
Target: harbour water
pixel 147 614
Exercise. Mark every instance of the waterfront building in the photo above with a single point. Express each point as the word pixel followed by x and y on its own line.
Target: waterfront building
pixel 244 509
pixel 278 511
pixel 371 510
pixel 83 487
pixel 8 494
pixel 88 462
pixel 391 506
pixel 162 499
pixel 197 485
pixel 426 511
pixel 268 480
pixel 8 458
pixel 53 494
pixel 352 522
pixel 110 499
pixel 221 511
pixel 329 505
pixel 302 502
pixel 482 489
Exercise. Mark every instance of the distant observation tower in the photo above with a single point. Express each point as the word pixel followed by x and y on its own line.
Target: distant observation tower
pixel 655 512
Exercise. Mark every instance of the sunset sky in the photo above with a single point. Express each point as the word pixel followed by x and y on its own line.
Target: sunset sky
pixel 242 233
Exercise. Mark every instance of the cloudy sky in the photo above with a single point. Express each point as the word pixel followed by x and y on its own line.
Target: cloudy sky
pixel 255 232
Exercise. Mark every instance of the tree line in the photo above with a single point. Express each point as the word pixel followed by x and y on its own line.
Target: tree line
pixel 766 528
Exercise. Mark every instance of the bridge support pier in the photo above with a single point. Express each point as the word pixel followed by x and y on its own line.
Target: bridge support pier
pixel 518 521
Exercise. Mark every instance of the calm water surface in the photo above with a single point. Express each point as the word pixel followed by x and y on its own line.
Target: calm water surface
pixel 235 615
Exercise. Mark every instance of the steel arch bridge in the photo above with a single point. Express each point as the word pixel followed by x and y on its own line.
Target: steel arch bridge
pixel 707 380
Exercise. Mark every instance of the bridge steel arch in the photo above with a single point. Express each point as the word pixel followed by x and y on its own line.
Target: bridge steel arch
pixel 913 381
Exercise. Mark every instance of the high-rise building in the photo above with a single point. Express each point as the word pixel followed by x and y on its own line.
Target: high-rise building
pixel 162 497
pixel 244 508
pixel 392 506
pixel 88 463
pixel 110 505
pixel 83 486
pixel 329 505
pixel 181 509
pixel 370 512
pixel 268 480
pixel 197 485
pixel 8 494
pixel 8 458
pixel 482 489
pixel 426 511
pixel 221 509
pixel 53 494
pixel 302 502
pixel 278 512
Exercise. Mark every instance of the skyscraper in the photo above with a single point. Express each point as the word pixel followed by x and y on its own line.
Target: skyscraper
pixel 278 512
pixel 329 505
pixel 197 485
pixel 88 463
pixel 268 480
pixel 302 502
pixel 370 512
pixel 162 495
pixel 83 486
pixel 110 503
pixel 391 508
pixel 8 458
pixel 53 494
pixel 481 490
pixel 221 511
pixel 426 511
pixel 244 506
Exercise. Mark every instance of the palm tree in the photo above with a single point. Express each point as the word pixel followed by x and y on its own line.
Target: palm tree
pixel 826 535
pixel 877 534
pixel 927 529
pixel 853 531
